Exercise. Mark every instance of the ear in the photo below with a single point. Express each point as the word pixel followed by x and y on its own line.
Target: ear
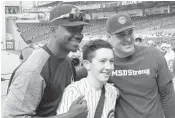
pixel 109 38
pixel 108 35
pixel 52 29
pixel 86 64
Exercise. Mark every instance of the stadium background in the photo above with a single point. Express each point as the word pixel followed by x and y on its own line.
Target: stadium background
pixel 154 20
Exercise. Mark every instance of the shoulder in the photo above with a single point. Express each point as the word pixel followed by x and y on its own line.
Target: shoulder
pixel 150 51
pixel 36 61
pixel 111 89
pixel 77 86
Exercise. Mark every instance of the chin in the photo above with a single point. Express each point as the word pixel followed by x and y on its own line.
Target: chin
pixel 104 79
pixel 129 50
pixel 74 49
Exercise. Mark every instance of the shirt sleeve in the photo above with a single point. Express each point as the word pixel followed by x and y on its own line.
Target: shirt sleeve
pixel 166 89
pixel 164 75
pixel 70 94
pixel 167 96
pixel 24 95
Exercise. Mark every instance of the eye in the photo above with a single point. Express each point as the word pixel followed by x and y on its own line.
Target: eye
pixel 120 35
pixel 130 32
pixel 112 61
pixel 102 61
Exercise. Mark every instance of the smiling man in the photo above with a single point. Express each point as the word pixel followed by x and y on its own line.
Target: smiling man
pixel 38 84
pixel 100 96
pixel 140 73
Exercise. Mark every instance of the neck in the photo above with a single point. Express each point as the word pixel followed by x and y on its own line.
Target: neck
pixel 123 55
pixel 56 49
pixel 94 82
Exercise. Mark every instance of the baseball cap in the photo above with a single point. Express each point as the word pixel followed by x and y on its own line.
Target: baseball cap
pixel 67 15
pixel 119 22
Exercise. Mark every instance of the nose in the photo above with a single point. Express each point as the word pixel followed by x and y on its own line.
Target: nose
pixel 128 38
pixel 78 36
pixel 108 66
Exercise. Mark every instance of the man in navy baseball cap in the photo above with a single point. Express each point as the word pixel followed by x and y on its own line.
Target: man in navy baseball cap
pixel 39 82
pixel 141 74
pixel 67 15
pixel 120 29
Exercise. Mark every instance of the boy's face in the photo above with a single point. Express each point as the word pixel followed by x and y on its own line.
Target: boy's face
pixel 102 64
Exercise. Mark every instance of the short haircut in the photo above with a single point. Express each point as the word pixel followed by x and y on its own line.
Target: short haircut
pixel 138 39
pixel 92 46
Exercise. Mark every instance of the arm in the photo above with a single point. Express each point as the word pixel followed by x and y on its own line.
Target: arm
pixel 166 89
pixel 24 95
pixel 167 96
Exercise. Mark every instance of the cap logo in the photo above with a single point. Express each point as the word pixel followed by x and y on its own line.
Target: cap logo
pixel 122 20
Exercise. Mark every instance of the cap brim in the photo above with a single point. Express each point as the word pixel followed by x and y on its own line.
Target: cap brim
pixel 77 23
pixel 122 29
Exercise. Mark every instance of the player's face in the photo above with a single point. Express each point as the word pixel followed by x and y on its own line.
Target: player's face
pixel 69 38
pixel 123 42
pixel 102 64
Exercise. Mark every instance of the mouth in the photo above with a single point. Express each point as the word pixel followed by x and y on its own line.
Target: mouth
pixel 75 43
pixel 127 44
pixel 107 74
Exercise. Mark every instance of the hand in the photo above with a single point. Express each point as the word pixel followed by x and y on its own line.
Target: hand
pixel 78 108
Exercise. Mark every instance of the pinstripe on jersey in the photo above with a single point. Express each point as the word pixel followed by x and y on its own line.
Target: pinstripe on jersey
pixel 92 96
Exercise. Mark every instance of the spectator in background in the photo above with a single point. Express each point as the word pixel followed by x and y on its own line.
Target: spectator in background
pixel 141 74
pixel 138 41
pixel 169 56
pixel 27 51
pixel 76 58
pixel 173 67
pixel 163 47
pixel 151 43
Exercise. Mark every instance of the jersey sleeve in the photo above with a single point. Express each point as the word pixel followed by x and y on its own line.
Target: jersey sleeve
pixel 70 94
pixel 24 95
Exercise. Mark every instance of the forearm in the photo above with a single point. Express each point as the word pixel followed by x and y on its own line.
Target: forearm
pixel 167 96
pixel 65 115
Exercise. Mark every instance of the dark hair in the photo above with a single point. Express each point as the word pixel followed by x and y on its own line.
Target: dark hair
pixel 138 39
pixel 29 41
pixel 91 46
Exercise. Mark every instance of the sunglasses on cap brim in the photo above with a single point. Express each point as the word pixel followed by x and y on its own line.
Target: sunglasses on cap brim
pixel 73 19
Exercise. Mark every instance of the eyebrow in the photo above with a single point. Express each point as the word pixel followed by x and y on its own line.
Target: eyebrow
pixel 120 33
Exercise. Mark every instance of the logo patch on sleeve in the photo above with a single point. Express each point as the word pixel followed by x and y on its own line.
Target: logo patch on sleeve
pixel 110 114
